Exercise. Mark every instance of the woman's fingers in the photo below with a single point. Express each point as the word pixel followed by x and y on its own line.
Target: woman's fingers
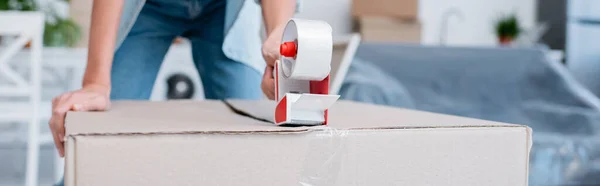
pixel 268 83
pixel 81 100
pixel 57 127
pixel 77 101
pixel 57 142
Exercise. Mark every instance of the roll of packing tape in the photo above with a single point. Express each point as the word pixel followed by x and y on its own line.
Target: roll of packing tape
pixel 306 49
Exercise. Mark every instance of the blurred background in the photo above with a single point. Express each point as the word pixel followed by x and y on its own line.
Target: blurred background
pixel 531 62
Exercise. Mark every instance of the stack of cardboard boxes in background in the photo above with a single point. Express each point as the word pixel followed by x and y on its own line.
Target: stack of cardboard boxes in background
pixel 81 12
pixel 387 20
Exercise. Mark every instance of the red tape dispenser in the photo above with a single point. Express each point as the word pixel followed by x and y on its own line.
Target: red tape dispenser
pixel 302 74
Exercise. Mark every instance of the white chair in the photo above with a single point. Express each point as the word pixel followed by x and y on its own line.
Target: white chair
pixel 28 27
pixel 344 49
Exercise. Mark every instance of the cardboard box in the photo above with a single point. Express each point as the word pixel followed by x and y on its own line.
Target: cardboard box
pixel 213 143
pixel 405 9
pixel 386 29
pixel 81 12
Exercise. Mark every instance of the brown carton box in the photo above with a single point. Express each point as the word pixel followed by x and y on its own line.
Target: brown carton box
pixel 218 143
pixel 81 12
pixel 406 9
pixel 388 29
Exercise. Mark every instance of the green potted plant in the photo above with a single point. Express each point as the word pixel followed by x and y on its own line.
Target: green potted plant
pixel 18 5
pixel 58 31
pixel 507 29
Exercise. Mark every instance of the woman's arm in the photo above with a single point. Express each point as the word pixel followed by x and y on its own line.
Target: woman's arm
pixel 103 33
pixel 94 96
pixel 277 12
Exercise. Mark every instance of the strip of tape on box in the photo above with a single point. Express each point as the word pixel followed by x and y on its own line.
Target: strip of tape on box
pixel 324 157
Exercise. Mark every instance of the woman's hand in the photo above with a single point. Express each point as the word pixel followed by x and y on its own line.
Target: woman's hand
pixel 94 96
pixel 89 98
pixel 275 13
pixel 270 51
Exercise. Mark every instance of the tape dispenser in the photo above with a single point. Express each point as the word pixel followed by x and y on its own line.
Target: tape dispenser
pixel 302 74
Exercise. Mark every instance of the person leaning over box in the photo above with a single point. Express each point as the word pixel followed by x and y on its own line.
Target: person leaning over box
pixel 129 40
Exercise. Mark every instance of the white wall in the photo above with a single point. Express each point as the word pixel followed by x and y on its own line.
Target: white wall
pixel 335 12
pixel 477 27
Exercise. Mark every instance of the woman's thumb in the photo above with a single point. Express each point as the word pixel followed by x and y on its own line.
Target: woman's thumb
pixel 77 107
pixel 94 104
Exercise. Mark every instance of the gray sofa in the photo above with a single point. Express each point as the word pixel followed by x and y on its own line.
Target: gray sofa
pixel 514 85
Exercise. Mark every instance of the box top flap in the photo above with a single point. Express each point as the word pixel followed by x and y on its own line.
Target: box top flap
pixel 143 117
pixel 245 116
pixel 354 115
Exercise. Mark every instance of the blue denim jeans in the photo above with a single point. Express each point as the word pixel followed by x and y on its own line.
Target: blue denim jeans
pixel 138 60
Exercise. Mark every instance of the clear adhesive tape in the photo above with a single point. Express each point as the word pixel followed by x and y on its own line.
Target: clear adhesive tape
pixel 325 156
pixel 314 47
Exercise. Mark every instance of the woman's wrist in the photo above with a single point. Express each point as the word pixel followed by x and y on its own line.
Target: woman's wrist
pixel 277 13
pixel 97 87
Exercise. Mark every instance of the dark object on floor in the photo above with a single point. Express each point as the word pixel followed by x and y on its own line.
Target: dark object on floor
pixel 180 86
